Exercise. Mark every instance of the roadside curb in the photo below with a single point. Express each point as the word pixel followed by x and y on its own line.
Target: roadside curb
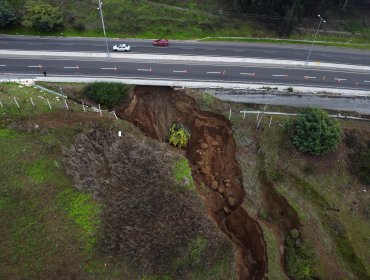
pixel 198 84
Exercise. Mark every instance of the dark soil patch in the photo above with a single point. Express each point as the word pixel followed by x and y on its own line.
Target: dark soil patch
pixel 211 152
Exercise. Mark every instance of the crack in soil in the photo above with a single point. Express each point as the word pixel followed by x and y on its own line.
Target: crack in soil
pixel 211 153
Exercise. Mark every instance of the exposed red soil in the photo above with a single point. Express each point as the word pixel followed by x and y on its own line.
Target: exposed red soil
pixel 211 153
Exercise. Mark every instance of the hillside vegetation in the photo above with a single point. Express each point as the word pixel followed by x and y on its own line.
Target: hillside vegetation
pixel 189 19
pixel 316 206
pixel 79 202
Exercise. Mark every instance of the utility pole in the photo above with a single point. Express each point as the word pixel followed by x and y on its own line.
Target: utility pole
pixel 314 39
pixel 100 8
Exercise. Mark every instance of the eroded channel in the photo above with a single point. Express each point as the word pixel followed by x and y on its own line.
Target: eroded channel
pixel 211 153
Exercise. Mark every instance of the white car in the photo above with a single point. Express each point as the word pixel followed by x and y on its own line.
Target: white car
pixel 121 48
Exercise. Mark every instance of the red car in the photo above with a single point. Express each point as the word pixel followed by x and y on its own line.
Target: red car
pixel 161 42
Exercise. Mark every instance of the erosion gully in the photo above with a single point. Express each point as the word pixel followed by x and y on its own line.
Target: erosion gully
pixel 211 153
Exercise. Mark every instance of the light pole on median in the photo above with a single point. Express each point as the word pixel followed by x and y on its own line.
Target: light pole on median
pixel 314 39
pixel 100 8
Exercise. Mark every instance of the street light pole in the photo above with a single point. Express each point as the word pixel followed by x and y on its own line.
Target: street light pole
pixel 102 21
pixel 314 39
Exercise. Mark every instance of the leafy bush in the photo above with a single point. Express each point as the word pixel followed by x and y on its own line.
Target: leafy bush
pixel 315 132
pixel 179 135
pixel 7 15
pixel 299 257
pixel 42 16
pixel 79 27
pixel 108 94
pixel 207 99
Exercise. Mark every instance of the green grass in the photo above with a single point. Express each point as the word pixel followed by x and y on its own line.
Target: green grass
pixel 319 193
pixel 182 173
pixel 10 93
pixel 81 208
pixel 38 171
pixel 45 223
pixel 275 271
pixel 37 233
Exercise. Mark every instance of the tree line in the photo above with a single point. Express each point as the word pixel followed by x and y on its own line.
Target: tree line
pixel 287 13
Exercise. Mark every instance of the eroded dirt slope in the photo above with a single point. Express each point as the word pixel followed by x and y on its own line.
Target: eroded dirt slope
pixel 211 153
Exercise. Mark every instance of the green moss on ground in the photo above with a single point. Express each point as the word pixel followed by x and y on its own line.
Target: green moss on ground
pixel 182 172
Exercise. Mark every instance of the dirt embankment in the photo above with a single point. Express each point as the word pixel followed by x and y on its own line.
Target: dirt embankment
pixel 211 153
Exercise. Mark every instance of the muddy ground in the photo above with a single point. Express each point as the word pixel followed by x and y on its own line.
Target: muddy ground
pixel 211 153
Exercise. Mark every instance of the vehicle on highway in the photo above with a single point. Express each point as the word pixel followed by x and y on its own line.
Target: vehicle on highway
pixel 161 42
pixel 121 48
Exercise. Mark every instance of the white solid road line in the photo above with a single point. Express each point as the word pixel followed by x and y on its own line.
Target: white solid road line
pixel 249 74
pixel 145 70
pixel 308 77
pixel 72 67
pixel 109 68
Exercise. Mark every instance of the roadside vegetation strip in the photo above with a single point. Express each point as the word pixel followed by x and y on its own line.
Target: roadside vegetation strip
pixel 359 45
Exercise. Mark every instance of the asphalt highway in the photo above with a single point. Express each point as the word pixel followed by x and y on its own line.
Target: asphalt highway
pixel 224 49
pixel 257 74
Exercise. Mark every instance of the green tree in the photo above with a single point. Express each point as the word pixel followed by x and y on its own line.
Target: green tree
pixel 108 94
pixel 316 133
pixel 7 15
pixel 42 16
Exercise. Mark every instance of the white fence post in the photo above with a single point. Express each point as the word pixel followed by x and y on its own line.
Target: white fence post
pixel 16 102
pixel 48 103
